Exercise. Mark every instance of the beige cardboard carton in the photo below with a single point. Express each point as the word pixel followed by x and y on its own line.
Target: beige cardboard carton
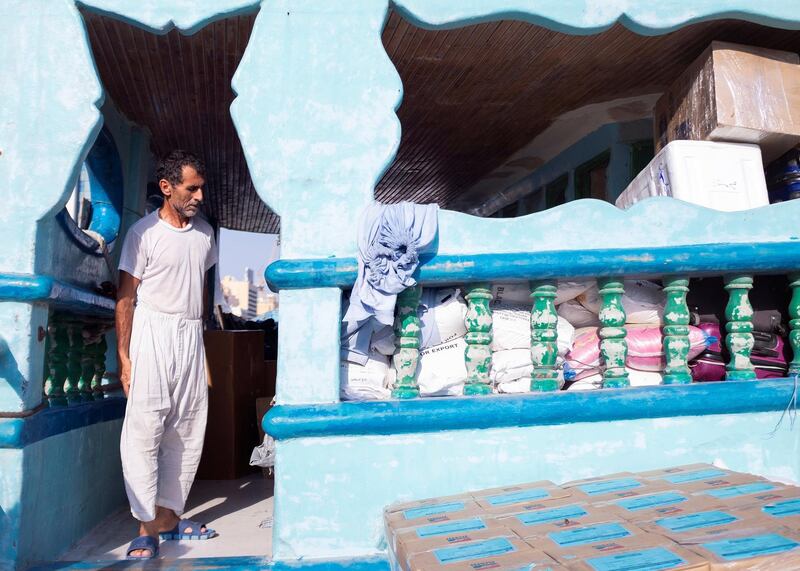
pixel 765 549
pixel 641 553
pixel 770 494
pixel 427 515
pixel 566 543
pixel 611 487
pixel 403 506
pixel 704 479
pixel 417 540
pixel 674 470
pixel 665 503
pixel 499 553
pixel 781 508
pixel 503 497
pixel 715 521
pixel 741 492
pixel 734 93
pixel 529 523
pixel 508 509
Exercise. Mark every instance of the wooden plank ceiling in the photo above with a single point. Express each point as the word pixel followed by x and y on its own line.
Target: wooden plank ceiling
pixel 473 96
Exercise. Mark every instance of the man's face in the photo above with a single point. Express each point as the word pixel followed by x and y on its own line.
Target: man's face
pixel 187 196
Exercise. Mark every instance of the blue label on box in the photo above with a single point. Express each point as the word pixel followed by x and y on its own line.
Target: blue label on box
pixel 653 559
pixel 740 490
pixel 652 501
pixel 609 486
pixel 423 511
pixel 783 508
pixel 588 534
pixel 516 497
pixel 551 515
pixel 746 547
pixel 474 550
pixel 451 527
pixel 699 520
pixel 695 476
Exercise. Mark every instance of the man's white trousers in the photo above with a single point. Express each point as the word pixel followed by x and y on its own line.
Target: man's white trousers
pixel 165 419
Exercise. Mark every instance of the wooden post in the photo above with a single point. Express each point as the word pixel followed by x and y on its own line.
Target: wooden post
pixel 99 366
pixel 544 336
pixel 407 341
pixel 613 346
pixel 478 354
pixel 794 324
pixel 89 339
pixel 739 328
pixel 676 332
pixel 74 355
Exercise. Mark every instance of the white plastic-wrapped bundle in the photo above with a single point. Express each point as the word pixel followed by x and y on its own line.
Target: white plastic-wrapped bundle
pixel 511 329
pixel 441 370
pixel 577 315
pixel 511 371
pixel 643 301
pixel 365 382
pixel 441 313
pixel 635 377
pixel 520 293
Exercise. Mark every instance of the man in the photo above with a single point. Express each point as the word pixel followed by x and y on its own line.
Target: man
pixel 159 320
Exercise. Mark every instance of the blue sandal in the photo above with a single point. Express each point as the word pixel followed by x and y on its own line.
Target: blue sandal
pixel 179 532
pixel 143 542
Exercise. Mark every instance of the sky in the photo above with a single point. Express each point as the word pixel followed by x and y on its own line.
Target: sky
pixel 240 250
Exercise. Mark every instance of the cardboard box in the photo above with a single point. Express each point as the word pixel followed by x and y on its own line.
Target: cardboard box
pixel 614 486
pixel 675 470
pixel 703 479
pixel 734 93
pixel 403 506
pixel 763 497
pixel 766 549
pixel 739 492
pixel 506 496
pixel 441 512
pixel 237 376
pixel 660 504
pixel 410 542
pixel 717 521
pixel 509 509
pixel 781 508
pixel 497 554
pixel 529 523
pixel 643 553
pixel 569 544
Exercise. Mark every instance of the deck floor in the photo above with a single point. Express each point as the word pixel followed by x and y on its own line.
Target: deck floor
pixel 239 510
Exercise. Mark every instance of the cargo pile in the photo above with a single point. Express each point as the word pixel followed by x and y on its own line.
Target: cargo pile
pixel 696 517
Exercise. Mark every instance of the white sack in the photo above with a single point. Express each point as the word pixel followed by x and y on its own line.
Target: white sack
pixel 441 370
pixel 643 302
pixel 441 312
pixel 577 315
pixel 511 329
pixel 520 293
pixel 365 382
pixel 637 379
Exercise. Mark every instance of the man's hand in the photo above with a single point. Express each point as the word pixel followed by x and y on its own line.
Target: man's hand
pixel 126 301
pixel 125 377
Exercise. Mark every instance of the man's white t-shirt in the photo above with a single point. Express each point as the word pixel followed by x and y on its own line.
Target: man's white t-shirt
pixel 170 262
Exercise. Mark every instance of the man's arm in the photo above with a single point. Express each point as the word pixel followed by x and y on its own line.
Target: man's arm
pixel 126 299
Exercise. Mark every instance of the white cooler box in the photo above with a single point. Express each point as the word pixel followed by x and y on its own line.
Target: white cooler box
pixel 722 176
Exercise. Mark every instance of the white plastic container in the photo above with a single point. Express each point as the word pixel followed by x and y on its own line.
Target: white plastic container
pixel 722 176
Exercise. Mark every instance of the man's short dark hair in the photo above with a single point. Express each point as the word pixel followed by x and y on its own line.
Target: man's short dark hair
pixel 170 166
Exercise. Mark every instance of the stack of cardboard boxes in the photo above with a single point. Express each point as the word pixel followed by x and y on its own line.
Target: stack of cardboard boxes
pixel 696 517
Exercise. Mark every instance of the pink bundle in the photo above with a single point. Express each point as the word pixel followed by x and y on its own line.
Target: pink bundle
pixel 645 349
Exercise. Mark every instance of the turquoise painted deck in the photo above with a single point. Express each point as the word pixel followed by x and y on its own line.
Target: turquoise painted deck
pixel 316 145
pixel 233 563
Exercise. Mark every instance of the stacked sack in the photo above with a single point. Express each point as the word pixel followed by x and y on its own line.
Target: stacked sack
pixel 644 303
pixel 511 335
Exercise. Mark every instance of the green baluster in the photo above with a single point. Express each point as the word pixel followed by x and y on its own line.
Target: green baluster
pixel 99 367
pixel 676 332
pixel 89 339
pixel 613 346
pixel 478 354
pixel 794 324
pixel 58 339
pixel 544 336
pixel 407 341
pixel 739 328
pixel 74 355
